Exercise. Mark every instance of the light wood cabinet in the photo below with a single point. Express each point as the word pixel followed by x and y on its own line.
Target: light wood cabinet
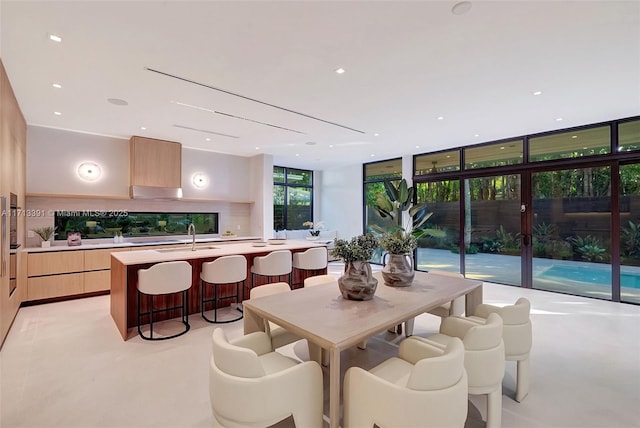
pixel 155 163
pixel 46 287
pixel 55 262
pixel 99 259
pixel 67 273
pixel 99 280
pixel 13 131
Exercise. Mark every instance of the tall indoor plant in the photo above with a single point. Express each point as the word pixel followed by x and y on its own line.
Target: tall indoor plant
pixel 399 242
pixel 357 281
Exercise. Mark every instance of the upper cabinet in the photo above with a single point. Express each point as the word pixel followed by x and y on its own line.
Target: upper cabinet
pixel 155 163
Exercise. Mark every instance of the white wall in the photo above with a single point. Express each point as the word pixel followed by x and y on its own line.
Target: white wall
pixel 229 176
pixel 53 157
pixel 340 197
pixel 261 177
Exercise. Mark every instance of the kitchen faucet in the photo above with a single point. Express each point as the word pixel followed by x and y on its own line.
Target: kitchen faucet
pixel 190 229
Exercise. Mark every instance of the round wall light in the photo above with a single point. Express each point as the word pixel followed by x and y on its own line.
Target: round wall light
pixel 200 180
pixel 89 171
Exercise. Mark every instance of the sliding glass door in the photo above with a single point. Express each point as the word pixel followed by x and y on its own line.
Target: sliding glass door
pixel 492 229
pixel 572 231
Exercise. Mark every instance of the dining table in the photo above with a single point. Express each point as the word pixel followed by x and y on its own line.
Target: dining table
pixel 322 316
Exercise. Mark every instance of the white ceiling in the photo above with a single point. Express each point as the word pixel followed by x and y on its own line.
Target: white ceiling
pixel 406 64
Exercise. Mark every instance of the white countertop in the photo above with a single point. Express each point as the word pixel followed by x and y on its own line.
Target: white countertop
pixel 134 244
pixel 170 254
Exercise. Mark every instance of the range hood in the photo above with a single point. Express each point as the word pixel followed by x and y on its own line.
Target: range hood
pixel 156 169
pixel 152 192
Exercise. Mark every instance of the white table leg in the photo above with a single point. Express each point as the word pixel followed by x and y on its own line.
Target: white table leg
pixel 334 388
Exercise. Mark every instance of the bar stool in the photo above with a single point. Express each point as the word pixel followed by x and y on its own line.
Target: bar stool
pixel 163 279
pixel 312 260
pixel 274 264
pixel 220 272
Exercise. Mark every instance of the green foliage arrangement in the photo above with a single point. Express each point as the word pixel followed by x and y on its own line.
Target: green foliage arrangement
pixel 398 243
pixel 45 233
pixel 359 248
pixel 395 201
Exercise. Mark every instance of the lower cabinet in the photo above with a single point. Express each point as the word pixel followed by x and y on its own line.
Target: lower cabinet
pixel 99 280
pixel 45 287
pixel 68 273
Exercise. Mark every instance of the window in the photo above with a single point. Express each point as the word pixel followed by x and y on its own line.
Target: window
pixel 97 225
pixel 490 155
pixel 437 162
pixel 292 197
pixel 573 144
pixel 375 174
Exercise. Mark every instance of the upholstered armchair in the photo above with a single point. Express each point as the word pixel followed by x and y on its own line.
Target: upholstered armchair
pixel 483 359
pixel 425 386
pixel 250 385
pixel 281 336
pixel 517 338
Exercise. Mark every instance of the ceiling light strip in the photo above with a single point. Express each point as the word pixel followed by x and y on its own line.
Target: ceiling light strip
pixel 204 130
pixel 237 117
pixel 261 123
pixel 254 100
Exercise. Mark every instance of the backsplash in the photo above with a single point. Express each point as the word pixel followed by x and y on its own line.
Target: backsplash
pixel 40 211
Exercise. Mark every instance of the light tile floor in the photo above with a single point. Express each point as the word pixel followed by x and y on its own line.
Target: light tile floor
pixel 65 365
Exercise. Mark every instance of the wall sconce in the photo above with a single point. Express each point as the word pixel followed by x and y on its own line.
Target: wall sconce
pixel 89 171
pixel 200 180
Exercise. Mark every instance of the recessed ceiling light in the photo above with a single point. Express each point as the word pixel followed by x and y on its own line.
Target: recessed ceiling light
pixel 207 139
pixel 55 38
pixel 257 148
pixel 340 70
pixel 440 117
pixel 144 128
pixel 57 113
pixel 448 156
pixel 461 8
pixel 330 146
pixel 297 154
pixel 117 102
pixel 559 119
pixel 376 134
pixel 57 85
pixel 574 136
pixel 417 147
pixel 291 144
pixel 502 148
pixel 537 93
pixel 372 155
pixel 476 135
pixel 585 148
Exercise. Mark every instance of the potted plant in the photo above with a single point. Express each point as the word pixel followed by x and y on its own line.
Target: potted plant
pixel 45 233
pixel 314 229
pixel 399 242
pixel 357 281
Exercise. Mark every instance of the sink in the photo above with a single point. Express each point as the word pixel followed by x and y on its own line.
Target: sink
pixel 183 249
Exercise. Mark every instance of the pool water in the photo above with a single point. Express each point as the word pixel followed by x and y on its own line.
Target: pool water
pixel 595 276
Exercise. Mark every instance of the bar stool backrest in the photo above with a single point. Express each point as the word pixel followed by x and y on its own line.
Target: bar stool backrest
pixel 275 263
pixel 318 280
pixel 312 259
pixel 225 270
pixel 165 278
pixel 269 289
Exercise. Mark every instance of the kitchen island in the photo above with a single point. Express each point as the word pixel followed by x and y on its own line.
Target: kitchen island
pixel 125 266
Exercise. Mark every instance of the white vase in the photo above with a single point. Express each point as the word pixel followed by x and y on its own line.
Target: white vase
pixel 45 244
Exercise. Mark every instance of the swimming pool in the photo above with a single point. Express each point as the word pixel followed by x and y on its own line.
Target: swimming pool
pixel 593 276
